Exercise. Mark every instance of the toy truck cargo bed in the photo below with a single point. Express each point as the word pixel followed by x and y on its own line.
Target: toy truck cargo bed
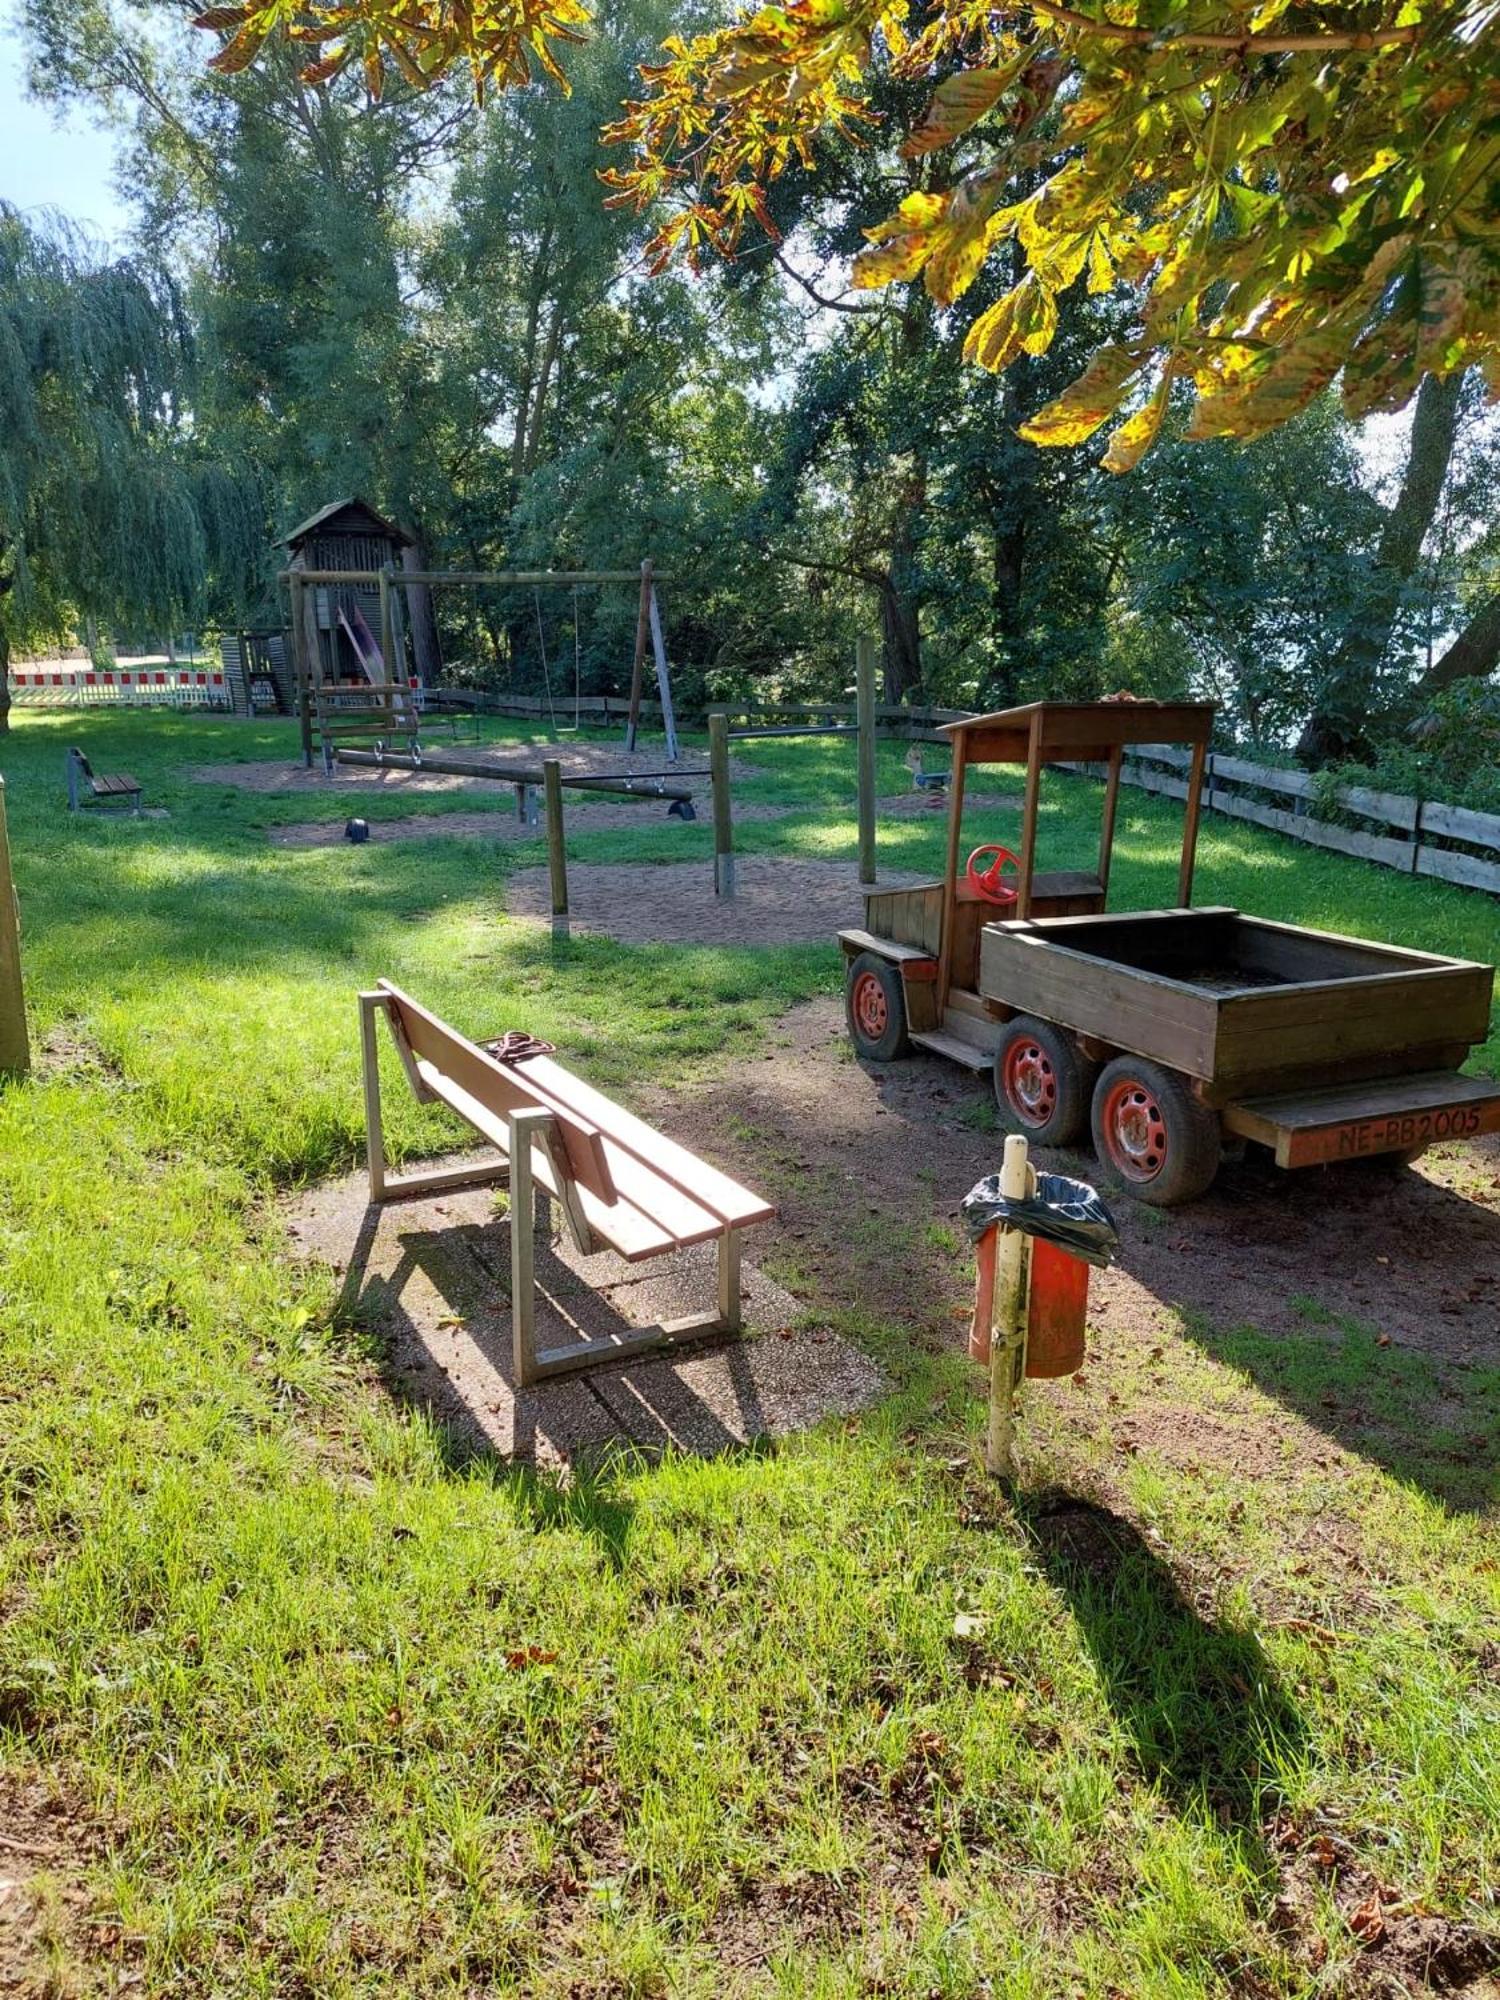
pixel 1324 1047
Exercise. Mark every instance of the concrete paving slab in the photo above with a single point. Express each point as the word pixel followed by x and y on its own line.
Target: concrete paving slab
pixel 433 1277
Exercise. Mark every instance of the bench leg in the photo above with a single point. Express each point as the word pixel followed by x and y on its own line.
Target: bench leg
pixel 729 1280
pixel 525 1126
pixel 369 1005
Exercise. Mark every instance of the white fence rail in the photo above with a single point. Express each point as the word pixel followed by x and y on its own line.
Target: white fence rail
pixel 120 687
pixel 1413 836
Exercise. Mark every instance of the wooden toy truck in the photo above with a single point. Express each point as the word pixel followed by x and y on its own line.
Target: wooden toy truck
pixel 1165 1031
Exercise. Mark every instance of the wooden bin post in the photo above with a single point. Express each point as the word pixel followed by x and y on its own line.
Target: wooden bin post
pixel 1008 1341
pixel 718 772
pixel 864 711
pixel 15 1049
pixel 557 852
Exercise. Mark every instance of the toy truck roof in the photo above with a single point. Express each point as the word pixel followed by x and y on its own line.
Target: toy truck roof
pixel 1084 732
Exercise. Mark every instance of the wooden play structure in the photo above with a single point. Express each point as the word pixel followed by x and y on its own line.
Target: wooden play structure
pixel 359 683
pixel 1163 1031
pixel 619 1184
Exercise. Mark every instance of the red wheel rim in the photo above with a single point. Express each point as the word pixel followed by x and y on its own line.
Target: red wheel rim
pixel 1135 1133
pixel 868 1003
pixel 1029 1081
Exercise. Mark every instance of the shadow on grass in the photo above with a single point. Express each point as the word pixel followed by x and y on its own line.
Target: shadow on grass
pixel 1203 1707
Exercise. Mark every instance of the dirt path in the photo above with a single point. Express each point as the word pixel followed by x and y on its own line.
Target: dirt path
pixel 777 900
pixel 1359 1287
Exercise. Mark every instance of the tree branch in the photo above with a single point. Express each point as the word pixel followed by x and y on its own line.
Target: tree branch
pixel 817 297
pixel 1257 45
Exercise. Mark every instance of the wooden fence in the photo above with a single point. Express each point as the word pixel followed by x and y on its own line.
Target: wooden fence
pixel 1413 836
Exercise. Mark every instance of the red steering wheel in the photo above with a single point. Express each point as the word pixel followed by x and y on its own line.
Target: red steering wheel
pixel 987 883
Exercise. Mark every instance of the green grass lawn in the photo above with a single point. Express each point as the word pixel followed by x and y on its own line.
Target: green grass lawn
pixel 326 1708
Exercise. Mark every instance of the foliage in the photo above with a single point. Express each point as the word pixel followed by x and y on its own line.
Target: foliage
pixel 107 509
pixel 1288 191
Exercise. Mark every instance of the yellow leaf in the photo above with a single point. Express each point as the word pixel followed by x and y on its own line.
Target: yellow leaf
pixel 1137 434
pixel 961 101
pixel 1101 267
pixel 1085 404
pixel 993 340
pixel 891 263
pixel 918 211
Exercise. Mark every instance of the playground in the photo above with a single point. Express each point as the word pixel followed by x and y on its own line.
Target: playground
pixel 336 1661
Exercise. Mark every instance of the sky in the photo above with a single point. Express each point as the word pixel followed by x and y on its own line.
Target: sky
pixel 43 165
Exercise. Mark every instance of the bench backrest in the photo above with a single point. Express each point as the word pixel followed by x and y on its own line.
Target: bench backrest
pixel 501 1088
pixel 81 762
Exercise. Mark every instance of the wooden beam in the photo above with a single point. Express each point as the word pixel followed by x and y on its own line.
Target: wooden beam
pixel 637 670
pixel 300 668
pixel 950 883
pixel 534 578
pixel 663 675
pixel 1107 819
pixel 388 630
pixel 718 769
pixel 15 1048
pixel 557 851
pixel 1190 825
pixel 864 702
pixel 1028 817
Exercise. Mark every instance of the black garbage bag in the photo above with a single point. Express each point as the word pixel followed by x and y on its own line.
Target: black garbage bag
pixel 1063 1211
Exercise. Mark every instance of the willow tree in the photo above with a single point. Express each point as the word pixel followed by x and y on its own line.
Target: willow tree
pixel 1289 189
pixel 107 510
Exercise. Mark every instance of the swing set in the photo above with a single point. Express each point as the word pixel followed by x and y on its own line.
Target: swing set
pixel 385 708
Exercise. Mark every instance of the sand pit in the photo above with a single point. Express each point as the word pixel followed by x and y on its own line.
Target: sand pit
pixel 777 901
pixel 584 815
pixel 577 760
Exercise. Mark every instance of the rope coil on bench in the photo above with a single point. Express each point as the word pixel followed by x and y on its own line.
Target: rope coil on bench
pixel 515 1045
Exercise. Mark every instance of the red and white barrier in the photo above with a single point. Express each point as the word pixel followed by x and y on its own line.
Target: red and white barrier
pixel 141 687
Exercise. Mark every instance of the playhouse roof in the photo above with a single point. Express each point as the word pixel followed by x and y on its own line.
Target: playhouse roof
pixel 1084 732
pixel 348 517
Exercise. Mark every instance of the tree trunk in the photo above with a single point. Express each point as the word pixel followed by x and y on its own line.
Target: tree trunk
pixel 1338 726
pixel 903 643
pixel 424 639
pixel 1473 654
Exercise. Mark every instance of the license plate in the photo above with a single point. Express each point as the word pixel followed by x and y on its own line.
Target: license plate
pixel 1393 1132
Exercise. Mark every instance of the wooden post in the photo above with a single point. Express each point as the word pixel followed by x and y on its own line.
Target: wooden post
pixel 557 852
pixel 718 772
pixel 642 627
pixel 663 677
pixel 388 630
pixel 1028 817
pixel 1107 819
pixel 950 875
pixel 864 710
pixel 1008 1339
pixel 302 669
pixel 15 1049
pixel 1190 826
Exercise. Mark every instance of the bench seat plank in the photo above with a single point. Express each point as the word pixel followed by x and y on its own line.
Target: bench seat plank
pixel 624 1227
pixel 109 787
pixel 500 1085
pixel 735 1206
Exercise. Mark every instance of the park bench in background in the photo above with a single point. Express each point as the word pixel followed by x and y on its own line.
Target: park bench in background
pixel 620 1184
pixel 81 775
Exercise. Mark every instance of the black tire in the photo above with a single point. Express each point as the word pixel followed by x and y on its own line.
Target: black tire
pixel 1042 1084
pixel 875 1008
pixel 1153 1133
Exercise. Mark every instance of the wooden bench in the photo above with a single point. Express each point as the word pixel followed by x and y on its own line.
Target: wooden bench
pixel 81 773
pixel 619 1184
